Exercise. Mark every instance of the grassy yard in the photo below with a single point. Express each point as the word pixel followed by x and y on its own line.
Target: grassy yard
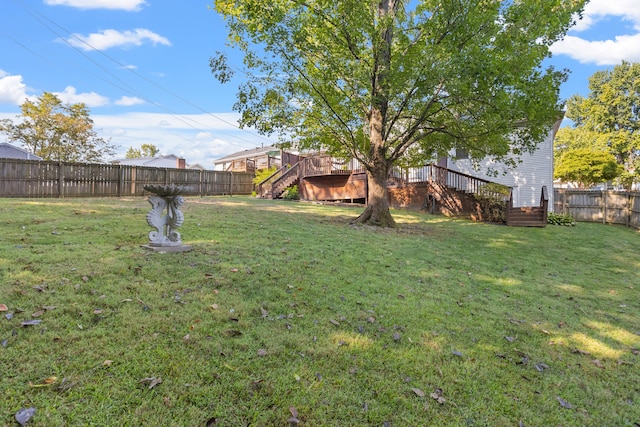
pixel 285 314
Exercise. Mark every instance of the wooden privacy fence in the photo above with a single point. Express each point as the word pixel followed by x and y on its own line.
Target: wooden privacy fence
pixel 607 207
pixel 32 178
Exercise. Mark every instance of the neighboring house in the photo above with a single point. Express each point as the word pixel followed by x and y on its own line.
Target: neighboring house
pixel 168 161
pixel 8 151
pixel 526 180
pixel 251 160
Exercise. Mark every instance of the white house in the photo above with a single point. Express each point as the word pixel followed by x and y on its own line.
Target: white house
pixel 168 161
pixel 527 179
pixel 8 151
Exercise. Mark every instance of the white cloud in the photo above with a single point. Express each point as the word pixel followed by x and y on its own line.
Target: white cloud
pixel 127 101
pixel 624 47
pixel 114 38
pixel 12 89
pixel 199 138
pixel 129 5
pixel 596 10
pixel 90 99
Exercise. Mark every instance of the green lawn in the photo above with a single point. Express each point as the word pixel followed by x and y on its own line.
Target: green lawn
pixel 285 314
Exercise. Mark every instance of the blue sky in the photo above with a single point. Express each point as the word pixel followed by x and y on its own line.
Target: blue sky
pixel 141 66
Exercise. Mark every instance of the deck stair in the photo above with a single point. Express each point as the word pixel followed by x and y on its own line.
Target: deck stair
pixel 274 185
pixel 531 216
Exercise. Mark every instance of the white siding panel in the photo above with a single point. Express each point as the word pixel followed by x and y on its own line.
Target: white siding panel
pixel 527 179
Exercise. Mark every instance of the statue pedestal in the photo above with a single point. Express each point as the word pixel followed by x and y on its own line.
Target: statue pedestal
pixel 165 238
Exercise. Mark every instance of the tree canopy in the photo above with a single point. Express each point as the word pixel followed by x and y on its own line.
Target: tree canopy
pixel 383 80
pixel 145 150
pixel 587 167
pixel 609 116
pixel 57 131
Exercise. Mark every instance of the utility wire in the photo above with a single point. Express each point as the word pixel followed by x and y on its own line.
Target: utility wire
pixel 125 87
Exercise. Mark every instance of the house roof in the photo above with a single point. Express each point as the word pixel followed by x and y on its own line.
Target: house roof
pixel 168 161
pixel 247 154
pixel 8 151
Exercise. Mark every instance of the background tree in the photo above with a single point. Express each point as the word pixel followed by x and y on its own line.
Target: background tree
pixel 377 80
pixel 57 131
pixel 145 150
pixel 610 114
pixel 587 167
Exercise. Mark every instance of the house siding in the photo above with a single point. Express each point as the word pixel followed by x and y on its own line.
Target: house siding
pixel 527 179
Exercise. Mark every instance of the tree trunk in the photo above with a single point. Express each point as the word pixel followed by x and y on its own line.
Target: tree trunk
pixel 377 211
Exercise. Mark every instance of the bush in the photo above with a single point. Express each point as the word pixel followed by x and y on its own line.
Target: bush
pixel 492 199
pixel 291 193
pixel 560 219
pixel 262 174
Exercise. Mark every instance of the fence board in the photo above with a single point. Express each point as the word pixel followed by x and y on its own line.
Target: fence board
pixel 32 178
pixel 611 207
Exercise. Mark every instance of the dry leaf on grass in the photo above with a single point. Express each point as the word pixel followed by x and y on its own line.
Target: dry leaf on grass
pixel 24 415
pixel 564 403
pixel 151 381
pixel 418 392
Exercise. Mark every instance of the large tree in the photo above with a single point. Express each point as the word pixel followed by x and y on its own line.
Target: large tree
pixel 587 167
pixel 610 114
pixel 57 131
pixel 381 80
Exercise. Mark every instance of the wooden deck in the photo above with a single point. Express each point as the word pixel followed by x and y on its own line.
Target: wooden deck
pixel 322 178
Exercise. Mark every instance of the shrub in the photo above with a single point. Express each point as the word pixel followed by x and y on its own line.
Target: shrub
pixel 262 174
pixel 291 193
pixel 560 219
pixel 492 199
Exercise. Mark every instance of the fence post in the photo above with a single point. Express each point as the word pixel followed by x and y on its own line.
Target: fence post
pixel 604 208
pixel 231 184
pixel 60 180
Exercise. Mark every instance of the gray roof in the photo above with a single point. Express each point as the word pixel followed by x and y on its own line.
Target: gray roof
pixel 168 161
pixel 248 154
pixel 8 151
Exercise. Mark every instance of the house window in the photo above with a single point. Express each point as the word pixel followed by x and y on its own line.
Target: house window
pixel 461 154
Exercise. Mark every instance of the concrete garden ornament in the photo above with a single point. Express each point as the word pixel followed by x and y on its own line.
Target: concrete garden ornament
pixel 165 237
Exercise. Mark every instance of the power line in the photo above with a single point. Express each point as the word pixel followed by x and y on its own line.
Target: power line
pixel 125 87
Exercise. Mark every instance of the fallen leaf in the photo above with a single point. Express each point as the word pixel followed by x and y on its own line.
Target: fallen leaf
pixel 457 353
pixel 437 396
pixel 127 300
pixel 262 352
pixel 3 307
pixel 564 403
pixel 510 339
pixel 24 415
pixel 263 312
pixel 30 322
pixel 44 383
pixel 418 392
pixel 598 363
pixel 211 421
pixel 541 366
pixel 294 412
pixel 234 270
pixel 334 322
pixel 578 351
pixel 107 362
pixel 397 336
pixel 214 306
pixel 38 313
pixel 48 307
pixel 152 381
